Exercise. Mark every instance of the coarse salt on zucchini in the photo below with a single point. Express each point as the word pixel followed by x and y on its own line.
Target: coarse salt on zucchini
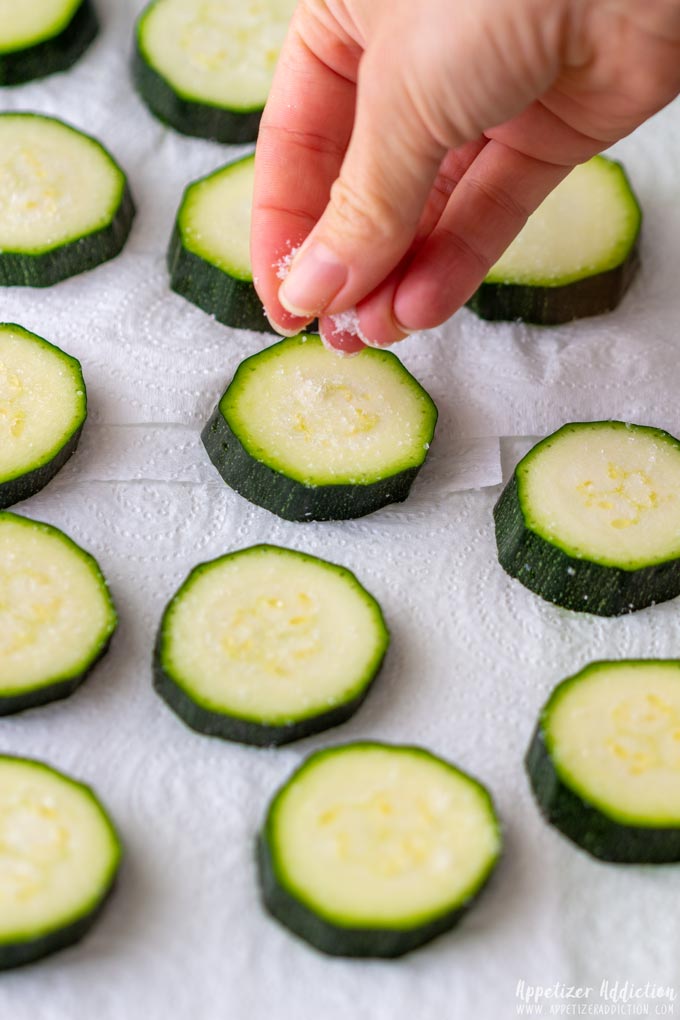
pixel 56 614
pixel 64 202
pixel 312 436
pixel 576 255
pixel 43 406
pixel 268 645
pixel 373 849
pixel 590 519
pixel 40 37
pixel 59 856
pixel 604 762
pixel 205 68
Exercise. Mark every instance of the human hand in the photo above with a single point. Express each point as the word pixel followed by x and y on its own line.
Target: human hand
pixel 405 143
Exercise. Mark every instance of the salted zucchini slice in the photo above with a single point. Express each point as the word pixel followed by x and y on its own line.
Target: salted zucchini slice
pixel 313 436
pixel 590 519
pixel 209 256
pixel 43 406
pixel 604 761
pixel 576 255
pixel 373 849
pixel 268 645
pixel 59 860
pixel 56 614
pixel 65 206
pixel 41 37
pixel 206 69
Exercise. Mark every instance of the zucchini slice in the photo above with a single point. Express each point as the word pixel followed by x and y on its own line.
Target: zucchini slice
pixel 209 254
pixel 604 761
pixel 312 436
pixel 206 68
pixel 373 849
pixel 56 614
pixel 268 645
pixel 590 519
pixel 576 255
pixel 59 860
pixel 65 206
pixel 43 406
pixel 41 37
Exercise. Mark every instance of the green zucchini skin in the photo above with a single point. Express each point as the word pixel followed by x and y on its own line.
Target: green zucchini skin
pixel 340 939
pixel 333 940
pixel 18 954
pixel 51 55
pixel 231 301
pixel 64 688
pixel 588 827
pixel 26 951
pixel 245 731
pixel 200 120
pixel 290 499
pixel 17 489
pixel 553 306
pixel 18 269
pixel 577 584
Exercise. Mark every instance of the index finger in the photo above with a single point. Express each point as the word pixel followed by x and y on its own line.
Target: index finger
pixel 304 133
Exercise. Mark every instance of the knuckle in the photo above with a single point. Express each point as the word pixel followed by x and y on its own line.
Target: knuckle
pixel 499 199
pixel 308 141
pixel 461 248
pixel 362 214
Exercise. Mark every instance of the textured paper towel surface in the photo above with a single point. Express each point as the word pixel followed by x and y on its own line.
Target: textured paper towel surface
pixel 473 655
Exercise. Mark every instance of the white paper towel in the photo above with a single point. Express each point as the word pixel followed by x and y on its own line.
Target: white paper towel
pixel 473 655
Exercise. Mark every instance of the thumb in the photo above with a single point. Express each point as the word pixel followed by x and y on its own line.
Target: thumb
pixel 376 202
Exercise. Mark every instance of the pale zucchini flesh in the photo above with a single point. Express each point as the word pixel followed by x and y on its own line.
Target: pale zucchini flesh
pixel 41 37
pixel 310 435
pixel 206 68
pixel 373 849
pixel 605 760
pixel 32 21
pixel 43 406
pixel 60 855
pixel 209 257
pixel 591 517
pixel 267 645
pixel 322 419
pixel 56 614
pixel 214 218
pixel 64 202
pixel 576 254
pixel 219 53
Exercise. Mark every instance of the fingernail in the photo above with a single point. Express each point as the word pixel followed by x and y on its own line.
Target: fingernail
pixel 283 330
pixel 315 277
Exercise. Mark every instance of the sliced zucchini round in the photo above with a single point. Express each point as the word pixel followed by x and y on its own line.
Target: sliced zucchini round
pixel 43 406
pixel 576 255
pixel 40 37
pixel 59 857
pixel 65 206
pixel 312 436
pixel 268 645
pixel 590 519
pixel 373 849
pixel 209 256
pixel 206 68
pixel 604 761
pixel 56 614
